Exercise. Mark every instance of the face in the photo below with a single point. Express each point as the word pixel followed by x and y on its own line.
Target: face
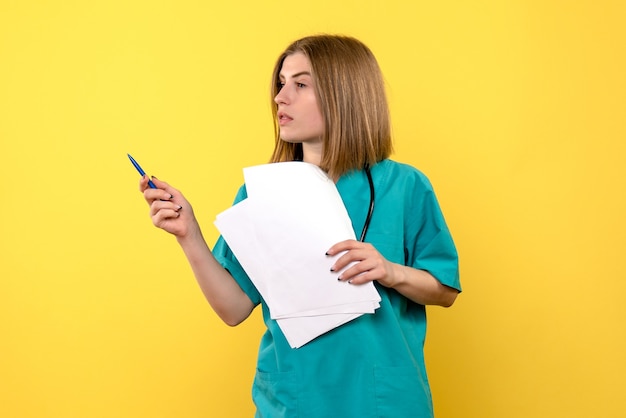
pixel 299 115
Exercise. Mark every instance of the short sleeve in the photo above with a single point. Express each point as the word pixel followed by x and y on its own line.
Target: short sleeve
pixel 224 255
pixel 429 242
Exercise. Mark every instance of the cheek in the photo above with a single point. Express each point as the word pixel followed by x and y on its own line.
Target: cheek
pixel 319 121
pixel 316 119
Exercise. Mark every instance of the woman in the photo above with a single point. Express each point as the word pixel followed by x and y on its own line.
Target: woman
pixel 330 110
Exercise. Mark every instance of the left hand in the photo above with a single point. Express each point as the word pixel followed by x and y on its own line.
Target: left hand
pixel 369 264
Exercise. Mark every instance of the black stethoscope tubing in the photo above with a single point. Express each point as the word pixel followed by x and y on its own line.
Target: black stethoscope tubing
pixel 370 210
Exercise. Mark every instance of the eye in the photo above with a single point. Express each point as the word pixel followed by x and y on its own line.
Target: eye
pixel 301 85
pixel 280 85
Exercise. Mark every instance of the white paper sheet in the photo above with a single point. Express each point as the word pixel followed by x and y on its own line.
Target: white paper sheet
pixel 280 234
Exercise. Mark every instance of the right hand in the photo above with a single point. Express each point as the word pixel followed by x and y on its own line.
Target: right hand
pixel 169 209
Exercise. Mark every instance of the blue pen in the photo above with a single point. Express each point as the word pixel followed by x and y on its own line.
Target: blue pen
pixel 143 173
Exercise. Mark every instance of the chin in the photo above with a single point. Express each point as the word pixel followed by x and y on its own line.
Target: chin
pixel 290 140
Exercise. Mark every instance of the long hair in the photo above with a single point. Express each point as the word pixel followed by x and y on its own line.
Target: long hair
pixel 351 95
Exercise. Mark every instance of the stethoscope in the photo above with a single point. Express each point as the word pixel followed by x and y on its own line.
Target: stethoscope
pixel 370 210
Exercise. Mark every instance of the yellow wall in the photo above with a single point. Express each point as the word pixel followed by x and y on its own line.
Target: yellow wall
pixel 514 109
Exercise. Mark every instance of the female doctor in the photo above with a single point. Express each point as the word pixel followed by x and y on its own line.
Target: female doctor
pixel 330 109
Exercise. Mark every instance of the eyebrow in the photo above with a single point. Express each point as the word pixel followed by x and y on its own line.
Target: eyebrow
pixel 281 75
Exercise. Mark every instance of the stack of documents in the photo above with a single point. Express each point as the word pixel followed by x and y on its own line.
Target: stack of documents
pixel 280 235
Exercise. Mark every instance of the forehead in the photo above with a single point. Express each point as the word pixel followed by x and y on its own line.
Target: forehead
pixel 295 64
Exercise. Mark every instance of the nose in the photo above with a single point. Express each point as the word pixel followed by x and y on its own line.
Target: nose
pixel 282 96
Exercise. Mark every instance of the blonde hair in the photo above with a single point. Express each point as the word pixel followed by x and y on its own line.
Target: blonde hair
pixel 351 95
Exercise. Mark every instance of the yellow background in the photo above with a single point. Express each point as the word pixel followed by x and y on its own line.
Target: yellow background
pixel 514 109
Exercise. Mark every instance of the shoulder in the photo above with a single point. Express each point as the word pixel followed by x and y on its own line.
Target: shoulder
pixel 394 173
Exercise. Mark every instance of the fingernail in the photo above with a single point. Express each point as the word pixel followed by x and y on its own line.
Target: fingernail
pixel 154 178
pixel 179 207
pixel 332 269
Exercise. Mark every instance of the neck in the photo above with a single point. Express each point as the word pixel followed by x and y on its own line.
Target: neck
pixel 312 153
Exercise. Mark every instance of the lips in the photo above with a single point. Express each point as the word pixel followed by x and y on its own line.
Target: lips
pixel 283 118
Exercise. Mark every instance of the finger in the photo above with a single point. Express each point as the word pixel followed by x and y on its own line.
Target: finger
pixel 361 279
pixel 166 214
pixel 357 270
pixel 353 255
pixel 151 194
pixel 161 211
pixel 164 205
pixel 167 220
pixel 164 186
pixel 143 183
pixel 342 246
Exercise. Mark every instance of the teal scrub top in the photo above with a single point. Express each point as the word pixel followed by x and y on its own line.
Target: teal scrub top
pixel 374 365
